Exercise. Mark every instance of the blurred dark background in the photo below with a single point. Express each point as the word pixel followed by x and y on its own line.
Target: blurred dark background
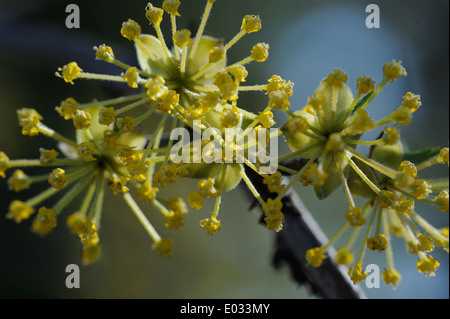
pixel 307 40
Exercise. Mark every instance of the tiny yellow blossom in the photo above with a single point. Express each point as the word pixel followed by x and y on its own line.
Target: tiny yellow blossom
pixel 442 201
pixel 421 189
pixel 206 188
pixel 88 233
pixel 260 52
pixel 75 222
pixel 28 120
pixel 130 30
pixel 82 119
pixel 91 254
pixel 58 178
pixel 174 219
pixel 19 211
pixel 443 156
pixel 343 256
pixel 106 115
pixel 163 247
pixel 365 85
pixel 390 136
pixel 171 6
pixel 279 100
pixel 404 205
pixel 131 76
pixel 266 119
pixel 428 266
pixel 239 72
pixel 356 274
pixel 362 121
pixel 426 243
pixel 70 72
pixel 146 192
pixel 166 174
pixel 378 242
pixel 316 175
pixel 411 101
pixel 118 184
pixel 337 78
pixel 391 277
pixel 210 225
pixel 154 14
pixel 155 87
pixel 104 53
pixel 393 70
pixel 44 222
pixel 126 124
pixel 47 156
pixel 86 150
pixel 3 164
pixel 251 23
pixel 216 54
pixel 167 101
pixel 355 216
pixel 195 200
pixel 230 117
pixel 227 87
pixel 177 204
pixel 274 217
pixel 18 181
pixel 182 38
pixel 67 108
pixel 274 182
pixel 315 256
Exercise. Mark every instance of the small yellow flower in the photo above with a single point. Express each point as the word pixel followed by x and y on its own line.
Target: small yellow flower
pixel 274 217
pixel 131 76
pixel 390 136
pixel 18 181
pixel 146 192
pixel 3 164
pixel 279 100
pixel 355 216
pixel 195 200
pixel 126 124
pixel 104 53
pixel 47 156
pixel 230 117
pixel 337 78
pixel 378 242
pixel 175 219
pixel 274 182
pixel 44 222
pixel 206 188
pixel 182 38
pixel 19 211
pixel 426 243
pixel 67 108
pixel 443 156
pixel 393 70
pixel 357 274
pixel 251 23
pixel 70 72
pixel 343 256
pixel 442 201
pixel 86 150
pixel 210 225
pixel 428 266
pixel 260 52
pixel 315 256
pixel 82 119
pixel 154 14
pixel 28 120
pixel 106 115
pixel 164 247
pixel 58 178
pixel 130 30
pixel 411 101
pixel 266 119
pixel 365 85
pixel 118 184
pixel 216 54
pixel 391 277
pixel 177 204
pixel 171 6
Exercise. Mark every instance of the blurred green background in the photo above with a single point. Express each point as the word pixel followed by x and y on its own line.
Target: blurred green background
pixel 307 40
